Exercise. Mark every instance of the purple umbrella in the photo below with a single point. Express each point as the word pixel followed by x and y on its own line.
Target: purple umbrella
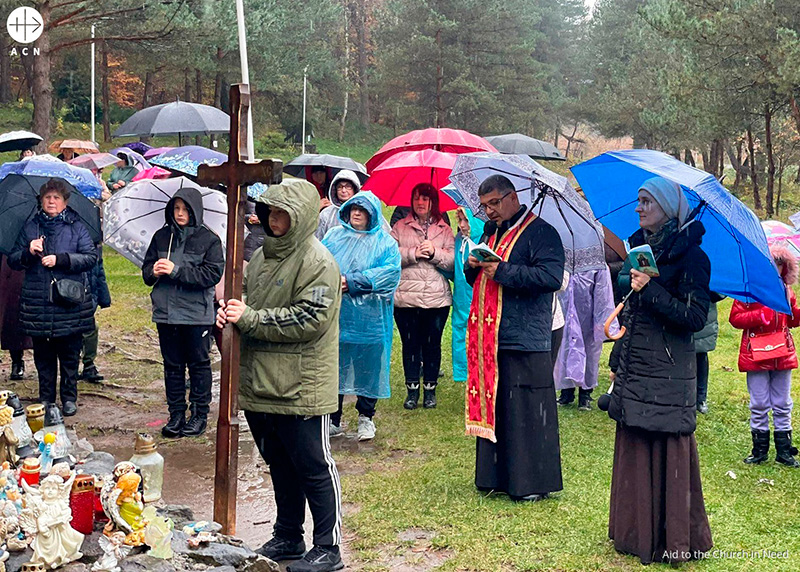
pixel 156 151
pixel 136 159
pixel 138 146
pixel 186 159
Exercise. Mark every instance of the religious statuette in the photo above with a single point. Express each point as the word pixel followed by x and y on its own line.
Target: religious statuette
pixel 114 550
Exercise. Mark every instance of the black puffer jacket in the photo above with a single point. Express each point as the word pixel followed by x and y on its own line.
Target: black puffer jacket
pixel 656 387
pixel 67 238
pixel 534 271
pixel 185 297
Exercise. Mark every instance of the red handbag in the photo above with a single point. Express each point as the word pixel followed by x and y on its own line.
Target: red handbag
pixel 766 347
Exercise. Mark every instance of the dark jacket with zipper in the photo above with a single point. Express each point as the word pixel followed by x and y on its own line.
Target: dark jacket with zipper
pixel 186 296
pixel 533 272
pixel 654 362
pixel 66 237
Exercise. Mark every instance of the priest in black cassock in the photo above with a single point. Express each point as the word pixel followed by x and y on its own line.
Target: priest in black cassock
pixel 511 404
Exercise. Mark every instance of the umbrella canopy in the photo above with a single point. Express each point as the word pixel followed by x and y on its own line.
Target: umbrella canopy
pixel 393 180
pixel 81 179
pixel 95 161
pixel 19 200
pixel 445 140
pixel 138 146
pixel 297 166
pixel 176 118
pixel 519 144
pixel 186 159
pixel 153 173
pixel 132 215
pixel 156 151
pixel 18 141
pixel 138 161
pixel 777 232
pixel 551 196
pixel 741 265
pixel 76 145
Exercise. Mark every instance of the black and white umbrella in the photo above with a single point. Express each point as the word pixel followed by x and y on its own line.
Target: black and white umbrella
pixel 18 141
pixel 299 166
pixel 519 144
pixel 176 118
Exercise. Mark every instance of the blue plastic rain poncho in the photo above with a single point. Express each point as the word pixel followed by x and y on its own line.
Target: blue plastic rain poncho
pixel 462 296
pixel 370 262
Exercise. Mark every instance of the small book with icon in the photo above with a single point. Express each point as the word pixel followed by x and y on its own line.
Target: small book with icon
pixel 483 253
pixel 641 258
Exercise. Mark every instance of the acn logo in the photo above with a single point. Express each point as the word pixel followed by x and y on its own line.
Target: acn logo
pixel 24 25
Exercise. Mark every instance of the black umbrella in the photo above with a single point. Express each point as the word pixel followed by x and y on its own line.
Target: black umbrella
pixel 519 144
pixel 297 166
pixel 18 141
pixel 177 118
pixel 19 201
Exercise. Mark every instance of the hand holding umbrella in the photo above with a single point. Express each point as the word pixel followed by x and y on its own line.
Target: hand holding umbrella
pixel 638 281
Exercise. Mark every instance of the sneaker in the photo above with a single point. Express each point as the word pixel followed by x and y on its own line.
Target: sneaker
pixel 702 407
pixel 173 428
pixel 319 559
pixel 17 370
pixel 532 498
pixel 584 400
pixel 567 396
pixel 279 549
pixel 337 430
pixel 91 374
pixel 366 428
pixel 195 426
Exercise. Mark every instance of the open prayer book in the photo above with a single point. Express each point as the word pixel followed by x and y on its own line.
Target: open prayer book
pixel 641 258
pixel 483 252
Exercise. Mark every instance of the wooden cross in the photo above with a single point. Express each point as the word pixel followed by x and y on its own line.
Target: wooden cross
pixel 236 173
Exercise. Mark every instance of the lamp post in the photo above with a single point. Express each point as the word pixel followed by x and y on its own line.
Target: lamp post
pixel 305 86
pixel 93 82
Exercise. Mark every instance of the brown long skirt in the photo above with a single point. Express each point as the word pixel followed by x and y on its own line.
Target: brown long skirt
pixel 657 509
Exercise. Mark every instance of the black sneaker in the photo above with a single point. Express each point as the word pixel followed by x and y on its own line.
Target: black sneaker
pixel 195 426
pixel 279 549
pixel 173 428
pixel 584 399
pixel 17 370
pixel 91 374
pixel 567 396
pixel 429 396
pixel 319 559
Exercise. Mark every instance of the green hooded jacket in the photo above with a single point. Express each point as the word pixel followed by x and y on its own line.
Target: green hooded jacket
pixel 290 327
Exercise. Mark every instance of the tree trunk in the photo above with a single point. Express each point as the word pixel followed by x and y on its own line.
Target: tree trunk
pixel 795 109
pixel 218 78
pixel 5 70
pixel 343 120
pixel 688 158
pixel 780 187
pixel 198 97
pixel 753 172
pixel 706 160
pixel 39 81
pixel 148 89
pixel 104 93
pixel 570 139
pixel 439 81
pixel 187 85
pixel 736 161
pixel 360 20
pixel 797 176
pixel 770 162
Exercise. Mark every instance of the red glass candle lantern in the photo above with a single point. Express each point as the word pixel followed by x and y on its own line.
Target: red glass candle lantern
pixel 81 503
pixel 99 513
pixel 29 472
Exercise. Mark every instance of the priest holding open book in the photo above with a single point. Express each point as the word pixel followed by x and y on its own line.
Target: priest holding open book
pixel 510 393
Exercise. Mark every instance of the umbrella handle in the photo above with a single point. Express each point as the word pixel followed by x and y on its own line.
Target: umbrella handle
pixel 607 323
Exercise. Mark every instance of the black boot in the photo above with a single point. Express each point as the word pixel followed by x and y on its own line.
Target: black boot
pixel 173 428
pixel 17 370
pixel 196 425
pixel 760 447
pixel 413 395
pixel 567 396
pixel 785 450
pixel 584 399
pixel 91 374
pixel 429 395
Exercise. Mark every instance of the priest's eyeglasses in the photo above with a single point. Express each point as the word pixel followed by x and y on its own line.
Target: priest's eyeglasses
pixel 494 203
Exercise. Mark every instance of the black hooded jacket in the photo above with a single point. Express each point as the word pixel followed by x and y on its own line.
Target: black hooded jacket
pixel 656 387
pixel 186 296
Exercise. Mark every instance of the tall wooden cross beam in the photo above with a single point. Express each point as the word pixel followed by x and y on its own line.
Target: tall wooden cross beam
pixel 236 173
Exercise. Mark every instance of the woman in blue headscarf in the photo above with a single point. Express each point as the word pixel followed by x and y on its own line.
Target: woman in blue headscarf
pixel 469 228
pixel 369 261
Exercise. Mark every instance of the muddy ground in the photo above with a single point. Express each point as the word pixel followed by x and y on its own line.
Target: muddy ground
pixel 131 400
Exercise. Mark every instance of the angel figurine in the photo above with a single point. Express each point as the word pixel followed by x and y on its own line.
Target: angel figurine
pixel 122 503
pixel 8 441
pixel 47 517
pixel 114 550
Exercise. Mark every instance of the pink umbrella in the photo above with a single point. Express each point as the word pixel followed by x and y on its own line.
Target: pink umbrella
pixel 393 180
pixel 95 161
pixel 153 173
pixel 445 140
pixel 777 231
pixel 157 151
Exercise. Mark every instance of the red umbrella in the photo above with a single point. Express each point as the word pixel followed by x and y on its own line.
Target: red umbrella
pixel 445 140
pixel 394 178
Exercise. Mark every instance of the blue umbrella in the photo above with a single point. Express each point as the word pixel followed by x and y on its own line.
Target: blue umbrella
pixel 82 179
pixel 741 265
pixel 453 192
pixel 186 159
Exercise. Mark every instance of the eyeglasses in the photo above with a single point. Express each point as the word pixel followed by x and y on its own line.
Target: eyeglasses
pixel 344 186
pixel 494 203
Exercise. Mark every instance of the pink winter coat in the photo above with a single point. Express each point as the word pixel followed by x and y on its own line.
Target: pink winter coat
pixel 422 285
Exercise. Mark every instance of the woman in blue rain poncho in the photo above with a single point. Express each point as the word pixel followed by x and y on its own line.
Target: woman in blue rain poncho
pixel 469 227
pixel 369 261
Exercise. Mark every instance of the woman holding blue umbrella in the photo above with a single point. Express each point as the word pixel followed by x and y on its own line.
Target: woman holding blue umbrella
pixel 657 511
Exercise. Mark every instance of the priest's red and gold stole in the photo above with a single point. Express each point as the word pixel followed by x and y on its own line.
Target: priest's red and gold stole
pixel 483 326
